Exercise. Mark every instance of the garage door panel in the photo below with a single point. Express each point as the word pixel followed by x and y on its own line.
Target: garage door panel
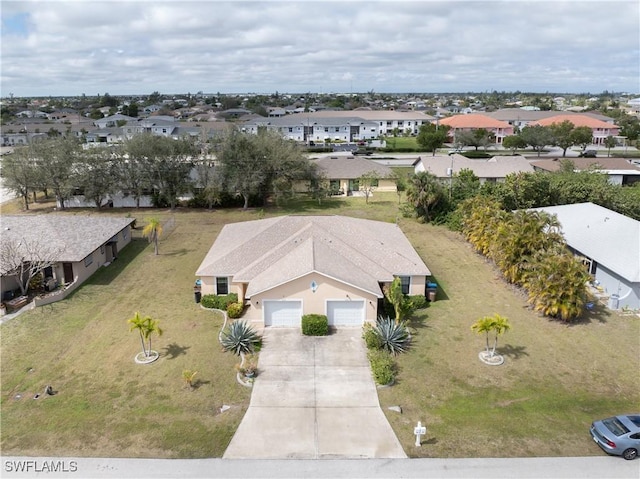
pixel 345 313
pixel 282 313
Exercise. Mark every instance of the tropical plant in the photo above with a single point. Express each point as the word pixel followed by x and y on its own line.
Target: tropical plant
pixel 153 231
pixel 146 327
pixel 188 377
pixel 495 324
pixel 394 337
pixel 239 338
pixel 557 285
pixel 426 194
pixel 402 306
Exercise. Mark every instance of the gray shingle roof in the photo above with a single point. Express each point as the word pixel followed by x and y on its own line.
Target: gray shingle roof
pixel 611 239
pixel 267 253
pixel 350 167
pixel 496 167
pixel 74 236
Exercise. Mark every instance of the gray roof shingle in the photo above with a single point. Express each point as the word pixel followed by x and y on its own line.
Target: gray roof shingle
pixel 267 253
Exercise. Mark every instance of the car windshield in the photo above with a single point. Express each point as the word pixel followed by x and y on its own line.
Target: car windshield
pixel 615 426
pixel 635 420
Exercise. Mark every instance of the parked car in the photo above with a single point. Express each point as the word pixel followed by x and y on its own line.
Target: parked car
pixel 588 154
pixel 619 435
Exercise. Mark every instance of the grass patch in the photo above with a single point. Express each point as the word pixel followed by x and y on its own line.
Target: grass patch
pixel 555 381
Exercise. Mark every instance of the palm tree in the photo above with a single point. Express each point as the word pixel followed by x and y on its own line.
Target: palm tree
pixel 425 193
pixel 153 231
pixel 491 324
pixel 557 285
pixel 146 327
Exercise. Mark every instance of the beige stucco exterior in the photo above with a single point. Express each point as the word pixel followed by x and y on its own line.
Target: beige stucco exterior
pixel 312 302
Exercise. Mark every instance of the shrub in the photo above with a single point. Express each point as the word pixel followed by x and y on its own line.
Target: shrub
pixel 220 301
pixel 315 325
pixel 418 301
pixel 382 366
pixel 394 337
pixel 371 337
pixel 235 310
pixel 239 337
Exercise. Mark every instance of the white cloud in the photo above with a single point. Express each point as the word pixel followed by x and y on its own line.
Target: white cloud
pixel 74 47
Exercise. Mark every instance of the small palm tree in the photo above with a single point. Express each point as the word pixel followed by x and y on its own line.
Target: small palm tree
pixel 491 324
pixel 153 231
pixel 146 327
pixel 188 376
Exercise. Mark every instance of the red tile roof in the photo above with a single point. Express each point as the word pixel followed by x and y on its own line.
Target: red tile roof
pixel 474 120
pixel 577 120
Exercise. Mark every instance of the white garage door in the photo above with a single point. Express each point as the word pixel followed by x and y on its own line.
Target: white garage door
pixel 282 313
pixel 345 313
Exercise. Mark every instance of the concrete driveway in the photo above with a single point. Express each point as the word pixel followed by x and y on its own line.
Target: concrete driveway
pixel 314 398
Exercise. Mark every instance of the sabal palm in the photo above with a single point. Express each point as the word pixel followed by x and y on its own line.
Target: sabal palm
pixel 153 231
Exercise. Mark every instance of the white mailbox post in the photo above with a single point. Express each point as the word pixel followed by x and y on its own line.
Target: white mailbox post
pixel 419 430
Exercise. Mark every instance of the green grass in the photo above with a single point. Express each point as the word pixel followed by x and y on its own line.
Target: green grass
pixel 555 381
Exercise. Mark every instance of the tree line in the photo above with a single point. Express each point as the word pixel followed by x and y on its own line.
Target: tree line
pixel 249 167
pixel 563 135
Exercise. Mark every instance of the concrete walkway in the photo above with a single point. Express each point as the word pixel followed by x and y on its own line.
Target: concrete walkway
pixel 314 398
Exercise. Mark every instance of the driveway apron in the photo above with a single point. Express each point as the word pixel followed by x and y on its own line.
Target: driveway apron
pixel 314 398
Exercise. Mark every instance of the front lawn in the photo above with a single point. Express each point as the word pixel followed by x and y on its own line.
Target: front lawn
pixel 555 380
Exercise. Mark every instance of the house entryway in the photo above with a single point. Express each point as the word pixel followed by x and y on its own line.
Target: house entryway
pixel 314 398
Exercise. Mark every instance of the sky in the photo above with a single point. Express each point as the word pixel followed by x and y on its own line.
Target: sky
pixel 69 48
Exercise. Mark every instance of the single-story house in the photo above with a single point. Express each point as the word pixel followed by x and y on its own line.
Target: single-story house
pixel 609 244
pixel 78 245
pixel 289 266
pixel 487 170
pixel 620 171
pixel 343 173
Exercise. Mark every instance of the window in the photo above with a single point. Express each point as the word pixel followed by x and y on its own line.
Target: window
pixel 354 185
pixel 334 186
pixel 405 281
pixel 222 285
pixel 88 260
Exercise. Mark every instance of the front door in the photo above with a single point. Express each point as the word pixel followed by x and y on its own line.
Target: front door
pixel 67 269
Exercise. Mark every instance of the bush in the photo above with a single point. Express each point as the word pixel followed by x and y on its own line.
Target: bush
pixel 382 366
pixel 315 325
pixel 235 310
pixel 218 301
pixel 371 337
pixel 418 302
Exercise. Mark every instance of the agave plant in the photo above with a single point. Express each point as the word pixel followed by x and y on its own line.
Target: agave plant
pixel 239 338
pixel 394 337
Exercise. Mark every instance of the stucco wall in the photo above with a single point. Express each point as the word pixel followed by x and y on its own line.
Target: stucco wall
pixel 327 289
pixel 612 283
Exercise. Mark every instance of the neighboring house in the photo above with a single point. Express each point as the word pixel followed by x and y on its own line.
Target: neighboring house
pixel 601 129
pixel 288 266
pixel 477 121
pixel 80 245
pixel 521 117
pixel 344 126
pixel 112 121
pixel 620 170
pixel 609 244
pixel 343 173
pixel 487 170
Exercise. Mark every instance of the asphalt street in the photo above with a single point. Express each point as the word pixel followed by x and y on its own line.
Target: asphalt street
pixel 596 467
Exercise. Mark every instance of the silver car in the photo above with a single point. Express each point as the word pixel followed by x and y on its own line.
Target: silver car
pixel 619 435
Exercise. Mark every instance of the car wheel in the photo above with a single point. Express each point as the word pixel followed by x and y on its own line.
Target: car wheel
pixel 630 454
